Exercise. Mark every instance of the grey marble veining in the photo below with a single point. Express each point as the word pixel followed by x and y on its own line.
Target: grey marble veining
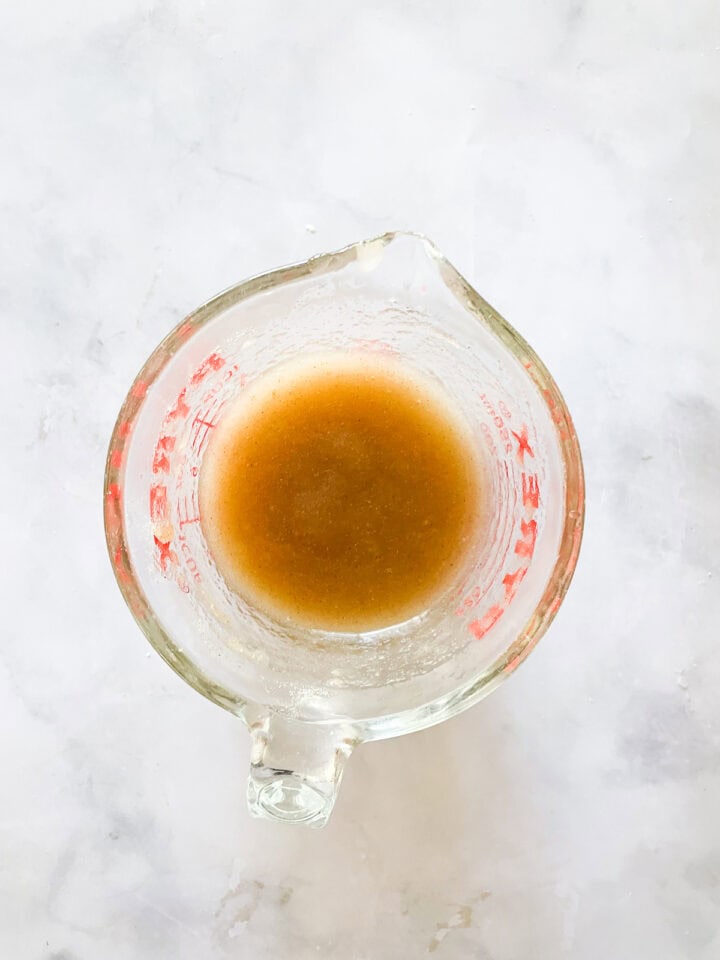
pixel 565 158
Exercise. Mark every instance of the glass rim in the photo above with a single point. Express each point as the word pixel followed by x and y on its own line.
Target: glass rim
pixel 442 708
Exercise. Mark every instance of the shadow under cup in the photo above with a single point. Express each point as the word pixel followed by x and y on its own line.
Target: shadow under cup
pixel 309 696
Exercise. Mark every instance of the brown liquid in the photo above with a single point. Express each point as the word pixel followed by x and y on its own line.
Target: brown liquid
pixel 342 496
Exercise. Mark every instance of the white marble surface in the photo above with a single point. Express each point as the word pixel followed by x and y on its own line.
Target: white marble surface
pixel 565 156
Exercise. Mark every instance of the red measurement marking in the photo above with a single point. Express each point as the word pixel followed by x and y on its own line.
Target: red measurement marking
pixel 497 421
pixel 161 464
pixel 523 444
pixel 116 458
pixel 555 606
pixel 166 555
pixel 530 490
pixel 122 573
pixel 204 425
pixel 124 428
pixel 139 389
pixel 470 601
pixel 184 330
pixel 161 461
pixel 181 409
pixel 512 664
pixel 190 562
pixel 556 414
pixel 113 491
pixel 179 470
pixel 220 383
pixel 189 513
pixel 511 581
pixel 159 509
pixel 480 627
pixel 377 346
pixel 113 516
pixel 213 362
pixel 525 546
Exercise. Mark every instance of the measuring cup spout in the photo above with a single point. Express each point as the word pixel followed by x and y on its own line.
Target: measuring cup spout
pixel 296 768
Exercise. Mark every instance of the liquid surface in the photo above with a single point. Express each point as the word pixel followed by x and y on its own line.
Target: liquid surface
pixel 342 496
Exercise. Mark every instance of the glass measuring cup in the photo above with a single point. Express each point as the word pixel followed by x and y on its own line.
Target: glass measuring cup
pixel 309 697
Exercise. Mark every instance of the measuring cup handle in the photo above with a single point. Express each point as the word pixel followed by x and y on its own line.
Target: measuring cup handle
pixel 296 768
